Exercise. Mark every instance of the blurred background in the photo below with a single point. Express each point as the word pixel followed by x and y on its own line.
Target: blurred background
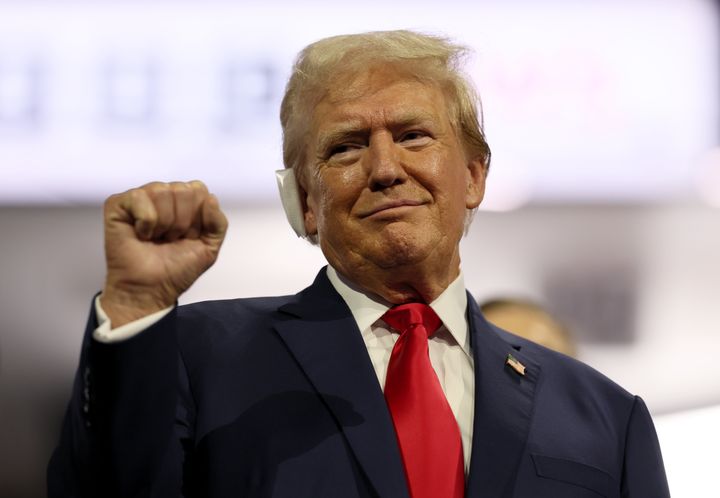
pixel 603 198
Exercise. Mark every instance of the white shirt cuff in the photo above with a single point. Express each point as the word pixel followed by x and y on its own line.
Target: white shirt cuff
pixel 105 333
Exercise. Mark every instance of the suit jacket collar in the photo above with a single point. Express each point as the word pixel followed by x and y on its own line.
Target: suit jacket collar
pixel 321 333
pixel 323 336
pixel 504 401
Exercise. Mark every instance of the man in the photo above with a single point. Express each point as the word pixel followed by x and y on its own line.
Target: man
pixel 354 387
pixel 529 320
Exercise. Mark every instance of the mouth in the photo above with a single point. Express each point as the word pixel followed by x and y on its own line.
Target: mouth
pixel 389 207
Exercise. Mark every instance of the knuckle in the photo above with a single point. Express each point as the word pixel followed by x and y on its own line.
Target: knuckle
pixel 156 188
pixel 182 191
pixel 152 185
pixel 137 201
pixel 111 201
pixel 134 195
pixel 180 186
pixel 199 186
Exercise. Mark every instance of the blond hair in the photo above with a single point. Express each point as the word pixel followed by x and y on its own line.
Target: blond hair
pixel 323 64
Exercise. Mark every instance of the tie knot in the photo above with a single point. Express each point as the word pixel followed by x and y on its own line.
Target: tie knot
pixel 403 317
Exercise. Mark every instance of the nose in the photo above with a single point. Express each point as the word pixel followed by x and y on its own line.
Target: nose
pixel 384 165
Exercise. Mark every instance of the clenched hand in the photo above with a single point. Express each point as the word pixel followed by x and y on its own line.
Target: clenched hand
pixel 159 238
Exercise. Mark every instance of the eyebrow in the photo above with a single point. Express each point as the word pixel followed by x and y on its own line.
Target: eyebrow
pixel 338 134
pixel 353 128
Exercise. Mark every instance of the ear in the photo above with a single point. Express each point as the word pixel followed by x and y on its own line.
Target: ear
pixel 476 175
pixel 309 210
pixel 292 197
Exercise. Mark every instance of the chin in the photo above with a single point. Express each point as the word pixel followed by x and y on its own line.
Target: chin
pixel 397 249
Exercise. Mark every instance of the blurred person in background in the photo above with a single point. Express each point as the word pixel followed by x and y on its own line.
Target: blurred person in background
pixel 382 378
pixel 529 320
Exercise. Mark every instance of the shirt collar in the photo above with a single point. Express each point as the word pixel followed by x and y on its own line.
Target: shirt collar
pixel 450 306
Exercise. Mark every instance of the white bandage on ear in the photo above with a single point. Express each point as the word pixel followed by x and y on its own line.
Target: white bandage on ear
pixel 290 197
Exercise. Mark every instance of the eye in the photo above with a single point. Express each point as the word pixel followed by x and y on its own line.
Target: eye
pixel 343 151
pixel 415 138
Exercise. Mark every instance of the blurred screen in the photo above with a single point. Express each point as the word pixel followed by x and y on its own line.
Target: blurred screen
pixel 583 101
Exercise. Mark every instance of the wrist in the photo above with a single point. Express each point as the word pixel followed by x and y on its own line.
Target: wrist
pixel 123 306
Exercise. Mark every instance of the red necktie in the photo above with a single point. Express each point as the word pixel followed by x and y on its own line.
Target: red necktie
pixel 426 428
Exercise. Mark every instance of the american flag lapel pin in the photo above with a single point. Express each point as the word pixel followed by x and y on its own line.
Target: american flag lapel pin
pixel 513 363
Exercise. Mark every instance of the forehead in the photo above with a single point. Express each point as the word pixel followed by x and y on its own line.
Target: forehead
pixel 381 96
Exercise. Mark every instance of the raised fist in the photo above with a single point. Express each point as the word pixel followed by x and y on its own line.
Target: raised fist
pixel 159 238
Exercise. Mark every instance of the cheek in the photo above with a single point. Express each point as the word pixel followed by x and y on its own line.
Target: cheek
pixel 325 199
pixel 339 189
pixel 447 177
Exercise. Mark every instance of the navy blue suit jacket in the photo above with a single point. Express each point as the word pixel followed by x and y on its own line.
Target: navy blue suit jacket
pixel 277 397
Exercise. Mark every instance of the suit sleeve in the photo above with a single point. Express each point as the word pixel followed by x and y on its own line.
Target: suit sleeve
pixel 121 435
pixel 643 469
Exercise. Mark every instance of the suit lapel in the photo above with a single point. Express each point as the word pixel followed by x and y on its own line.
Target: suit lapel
pixel 503 410
pixel 321 333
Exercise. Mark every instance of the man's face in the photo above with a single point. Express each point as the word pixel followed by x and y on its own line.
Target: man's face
pixel 388 181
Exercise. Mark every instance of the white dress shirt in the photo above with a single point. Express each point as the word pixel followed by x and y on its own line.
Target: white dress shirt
pixel 449 347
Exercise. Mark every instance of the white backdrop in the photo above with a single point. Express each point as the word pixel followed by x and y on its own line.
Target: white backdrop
pixel 584 101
